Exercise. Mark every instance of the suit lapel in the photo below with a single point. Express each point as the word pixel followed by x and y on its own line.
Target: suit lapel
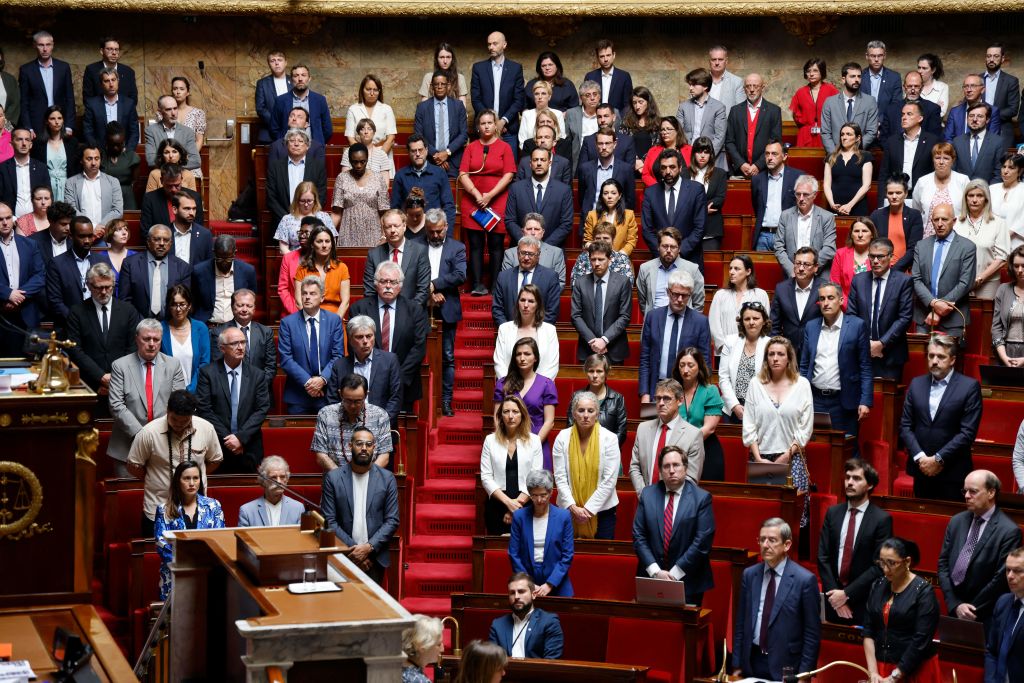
pixel 261 507
pixel 782 590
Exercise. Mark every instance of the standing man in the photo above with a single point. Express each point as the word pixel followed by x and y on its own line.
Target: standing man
pixel 890 119
pixel 66 281
pixel 677 203
pixel 581 121
pixel 146 276
pixel 884 299
pixel 795 303
pixel 909 151
pixel 337 421
pixel 540 194
pixel 497 84
pixel 551 257
pixel 441 120
pixel 674 528
pixel 381 369
pixel 941 415
pixel 726 87
pixel 53 241
pixel 544 136
pixel 749 127
pixel 360 504
pixel 110 104
pixel 158 204
pixel 410 255
pixel 602 303
pixel 806 225
pixel 943 272
pixel 979 153
pixel 849 105
pixel 616 84
pixel 668 428
pixel 447 274
pixel 300 95
pixel 310 342
pixel 45 82
pixel 667 331
pixel 167 127
pixel 972 562
pixel 594 173
pixel 652 276
pixel 974 92
pixel 1004 654
pixel 22 278
pixel 625 151
pixel 94 194
pixel 1002 90
pixel 268 89
pixel 848 547
pixel 21 173
pixel 882 83
pixel 778 623
pixel 297 118
pixel 273 508
pixel 215 282
pixel 772 193
pixel 285 175
pixel 433 180
pixel 702 115
pixel 260 347
pixel 110 59
pixel 539 632
pixel 510 282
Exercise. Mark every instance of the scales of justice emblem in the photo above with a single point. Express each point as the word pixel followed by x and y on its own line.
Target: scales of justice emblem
pixel 21 498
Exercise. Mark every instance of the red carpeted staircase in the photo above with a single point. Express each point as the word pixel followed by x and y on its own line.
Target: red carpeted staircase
pixel 439 554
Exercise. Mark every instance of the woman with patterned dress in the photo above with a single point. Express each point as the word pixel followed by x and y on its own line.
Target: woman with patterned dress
pixel 989 234
pixel 193 117
pixel 186 508
pixel 742 357
pixel 360 199
pixel 621 263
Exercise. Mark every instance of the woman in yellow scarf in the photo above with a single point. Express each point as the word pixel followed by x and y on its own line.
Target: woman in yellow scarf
pixel 587 461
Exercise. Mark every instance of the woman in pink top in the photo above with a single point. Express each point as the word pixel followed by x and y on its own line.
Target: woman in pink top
pixel 289 266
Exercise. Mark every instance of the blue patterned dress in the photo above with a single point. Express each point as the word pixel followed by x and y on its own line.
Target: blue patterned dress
pixel 209 515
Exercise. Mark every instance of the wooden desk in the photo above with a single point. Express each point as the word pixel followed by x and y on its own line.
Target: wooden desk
pixel 562 670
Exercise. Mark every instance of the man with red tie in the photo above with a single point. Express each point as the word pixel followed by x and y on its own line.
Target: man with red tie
pixel 411 255
pixel 667 429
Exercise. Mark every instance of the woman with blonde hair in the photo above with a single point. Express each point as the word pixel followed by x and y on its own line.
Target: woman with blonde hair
pixel 423 644
pixel 510 453
pixel 305 202
pixel 990 235
pixel 542 92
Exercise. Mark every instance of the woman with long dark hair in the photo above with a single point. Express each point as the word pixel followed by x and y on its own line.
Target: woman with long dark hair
pixel 702 408
pixel 641 121
pixel 446 63
pixel 563 92
pixel 808 102
pixel 186 508
pixel 715 181
pixel 537 391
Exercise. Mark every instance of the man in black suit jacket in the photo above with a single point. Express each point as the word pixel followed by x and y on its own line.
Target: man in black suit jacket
pixel 95 119
pixel 384 368
pixel 278 149
pixel 407 326
pixel 266 93
pixel 38 176
pixel 884 299
pixel 544 136
pixel 137 274
pixel 796 299
pixel 215 282
pixel 54 240
pixel 618 91
pixel 279 190
pixel 555 201
pixel 34 98
pixel 971 564
pixel 748 159
pixel 510 281
pixel 689 202
pixel 979 153
pixel 894 155
pixel 1006 90
pixel 625 150
pixel 193 243
pixel 848 547
pixel 156 205
pixel 601 324
pixel 766 217
pixel 261 351
pixel 95 349
pixel 446 279
pixel 1004 652
pixel 609 164
pixel 66 275
pixel 234 399
pixel 511 93
pixel 411 256
pixel 92 83
pixel 938 442
pixel 890 118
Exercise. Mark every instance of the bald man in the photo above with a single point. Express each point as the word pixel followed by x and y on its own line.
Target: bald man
pixel 746 149
pixel 942 283
pixel 498 85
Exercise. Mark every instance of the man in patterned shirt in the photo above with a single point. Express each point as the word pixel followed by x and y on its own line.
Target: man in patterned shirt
pixel 335 424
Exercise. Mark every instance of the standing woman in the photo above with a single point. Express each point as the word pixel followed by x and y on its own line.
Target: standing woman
pixel 170 152
pixel 670 136
pixel 1008 197
pixel 509 454
pixel 538 392
pixel 715 181
pixel 117 237
pixel 185 339
pixel 320 261
pixel 193 117
pixel 933 90
pixel 305 203
pixel 612 209
pixel 742 357
pixel 378 161
pixel 848 174
pixel 1008 317
pixel 121 164
pixel 528 323
pixel 587 464
pixel 611 404
pixel 702 408
pixel 853 258
pixel 740 288
pixel 36 221
pixel 486 171
pixel 900 620
pixel 58 151
pixel 808 102
pixel 563 92
pixel 445 62
pixel 900 222
pixel 541 94
pixel 942 186
pixel 371 106
pixel 977 223
pixel 360 199
pixel 290 265
pixel 641 121
pixel 186 508
pixel 542 544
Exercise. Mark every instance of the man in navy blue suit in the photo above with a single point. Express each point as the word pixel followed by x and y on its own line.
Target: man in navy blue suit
pixel 193 243
pixel 437 191
pixel 278 149
pixel 511 280
pixel 979 153
pixel 441 120
pixel 884 299
pixel 625 150
pixel 956 120
pixel 111 105
pixel 880 81
pixel 894 161
pixel 65 277
pixel 497 84
pixel 771 193
pixel 529 632
pixel 890 119
pixel 778 623
pixel 835 358
pixel 607 166
pixel 300 95
pixel 18 291
pixel 110 53
pixel 447 274
pixel 42 81
pixel 675 203
pixel 616 84
pixel 682 552
pixel 1002 90
pixel 667 331
pixel 268 89
pixel 155 266
pixel 214 282
pixel 1004 653
pixel 310 342
pixel 540 193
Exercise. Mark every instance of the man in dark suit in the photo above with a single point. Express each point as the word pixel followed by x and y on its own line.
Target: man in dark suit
pixel 92 81
pixel 97 345
pixel 280 184
pixel 880 81
pixel 771 193
pixel 381 369
pixel 411 255
pixel 551 257
pixel 616 84
pixel 544 136
pixel 156 265
pixel 625 150
pixel 778 623
pixel 1002 90
pixel 941 415
pixel 310 342
pixel 979 154
pixel 441 120
pixel 884 299
pixel 235 399
pixel 594 173
pixel 193 243
pixel 268 88
pixel 675 203
pixel 890 119
pixel 956 120
pixel 795 302
pixel 511 281
pixel 437 190
pixel 18 291
pixel 297 118
pixel 300 95
pixel 66 275
pixel 1004 653
pixel 37 92
pixel 540 194
pixel 402 326
pixel 944 272
pixel 836 360
pixel 215 281
pixel 54 240
pixel 601 305
pixel 848 547
pixel 972 571
pixel 157 204
pixel 541 636
pixel 895 146
pixel 261 349
pixel 368 530
pixel 746 152
pixel 681 552
pixel 497 84
pixel 14 192
pixel 668 330
pixel 110 105
pixel 447 259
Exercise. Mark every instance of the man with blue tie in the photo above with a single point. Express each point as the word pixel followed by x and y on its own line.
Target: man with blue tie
pixel 540 193
pixel 884 298
pixel 979 152
pixel 309 342
pixel 677 203
pixel 146 276
pixel 1004 654
pixel 529 632
pixel 943 272
pixel 441 120
pixel 497 84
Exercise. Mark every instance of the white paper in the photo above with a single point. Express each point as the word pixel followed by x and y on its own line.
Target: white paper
pixel 18 670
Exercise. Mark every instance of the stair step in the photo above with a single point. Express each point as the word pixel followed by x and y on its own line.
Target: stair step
pixel 457 454
pixel 438 578
pixel 432 607
pixel 440 549
pixel 448 492
pixel 445 519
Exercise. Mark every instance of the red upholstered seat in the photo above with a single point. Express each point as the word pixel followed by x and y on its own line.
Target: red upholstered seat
pixel 634 641
pixel 820 502
pixel 624 515
pixel 497 569
pixel 819 464
pixel 1001 420
pixel 719 601
pixel 849 650
pixel 292 444
pixel 604 577
pixel 736 456
pixel 738 520
pixel 926 529
pixel 878 454
pixel 1000 465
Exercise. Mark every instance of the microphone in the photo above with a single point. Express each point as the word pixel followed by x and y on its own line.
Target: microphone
pixel 289 490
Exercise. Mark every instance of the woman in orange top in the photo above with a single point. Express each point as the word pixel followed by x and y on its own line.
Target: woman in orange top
pixel 808 101
pixel 900 223
pixel 672 137
pixel 612 209
pixel 321 261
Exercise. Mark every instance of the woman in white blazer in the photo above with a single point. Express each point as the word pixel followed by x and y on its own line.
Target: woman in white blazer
pixel 528 322
pixel 742 357
pixel 587 462
pixel 943 186
pixel 508 455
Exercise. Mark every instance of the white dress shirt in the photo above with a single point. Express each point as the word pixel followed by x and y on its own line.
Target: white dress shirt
pixel 803 228
pixel 519 627
pixel 23 195
pixel 802 295
pixel 909 149
pixel 13 260
pixel 280 85
pixel 359 484
pixel 296 172
pixel 589 125
pixel 675 572
pixel 434 256
pixel 183 243
pixel 92 203
pixel 606 83
pixel 826 361
pixel 861 509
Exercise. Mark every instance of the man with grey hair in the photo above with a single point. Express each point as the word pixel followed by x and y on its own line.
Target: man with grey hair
pixel 43 82
pixel 511 281
pixel 447 259
pixel 540 193
pixel 260 345
pixel 146 276
pixel 381 369
pixel 110 104
pixel 284 175
pixel 726 87
pixel 167 127
pixel 214 282
pixel 880 81
pixel 581 121
pixel 550 256
pixel 273 508
pixel 310 342
pixel 806 225
pixel 410 255
pixel 668 330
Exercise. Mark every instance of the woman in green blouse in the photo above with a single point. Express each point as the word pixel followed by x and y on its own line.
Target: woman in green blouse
pixel 702 407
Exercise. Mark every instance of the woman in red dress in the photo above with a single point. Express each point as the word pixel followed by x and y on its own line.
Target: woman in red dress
pixel 486 171
pixel 672 137
pixel 808 102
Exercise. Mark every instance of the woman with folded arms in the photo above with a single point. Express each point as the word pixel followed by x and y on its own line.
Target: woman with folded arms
pixel 541 543
pixel 991 239
pixel 508 455
pixel 186 508
pixel 611 404
pixel 742 357
pixel 528 323
pixel 1008 317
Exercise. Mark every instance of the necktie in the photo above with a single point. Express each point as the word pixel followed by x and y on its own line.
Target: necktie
pixel 149 391
pixel 766 611
pixel 655 470
pixel 526 278
pixel 874 309
pixel 671 203
pixel 314 349
pixel 598 308
pixel 670 516
pixel 394 255
pixel 849 109
pixel 673 344
pixel 540 195
pixel 233 389
pixel 245 331
pixel 385 329
pixel 1007 639
pixel 851 529
pixel 441 140
pixel 156 298
pixel 974 149
pixel 964 559
pixel 104 320
pixel 940 245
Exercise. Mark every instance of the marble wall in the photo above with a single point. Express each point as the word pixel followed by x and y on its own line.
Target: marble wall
pixel 340 51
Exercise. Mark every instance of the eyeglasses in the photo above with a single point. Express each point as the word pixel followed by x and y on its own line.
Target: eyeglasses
pixel 803 194
pixel 235 344
pixel 362 443
pixel 888 564
pixel 878 257
pixel 664 399
pixel 180 305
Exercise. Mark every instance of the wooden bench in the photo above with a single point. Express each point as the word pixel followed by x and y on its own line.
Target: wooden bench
pixel 562 670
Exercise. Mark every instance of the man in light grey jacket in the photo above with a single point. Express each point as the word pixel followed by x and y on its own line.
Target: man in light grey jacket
pixel 806 225
pixel 550 256
pixel 702 115
pixel 652 277
pixel 94 193
pixel 167 126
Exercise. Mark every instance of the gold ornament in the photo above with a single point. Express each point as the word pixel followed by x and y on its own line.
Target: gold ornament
pixel 21 499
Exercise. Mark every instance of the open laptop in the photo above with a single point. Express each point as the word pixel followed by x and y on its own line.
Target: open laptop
pixel 660 592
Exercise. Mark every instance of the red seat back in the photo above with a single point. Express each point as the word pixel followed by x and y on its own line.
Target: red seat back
pixel 604 577
pixel 636 641
pixel 927 530
pixel 292 444
pixel 1002 420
